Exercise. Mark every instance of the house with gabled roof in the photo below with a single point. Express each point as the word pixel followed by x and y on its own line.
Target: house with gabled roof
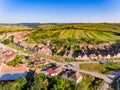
pixel 51 72
pixel 24 45
pixel 100 56
pixel 93 56
pixel 44 50
pixel 81 46
pixel 118 55
pixel 58 69
pixel 31 46
pixel 76 77
pixel 72 75
pixel 85 57
pixel 8 55
pixel 37 71
pixel 90 46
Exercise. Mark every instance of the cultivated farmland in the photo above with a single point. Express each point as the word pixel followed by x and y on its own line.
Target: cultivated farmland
pixel 77 33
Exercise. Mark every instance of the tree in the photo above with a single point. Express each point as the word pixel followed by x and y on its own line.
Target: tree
pixel 82 86
pixel 7 41
pixel 19 84
pixel 59 85
pixel 39 82
pixel 16 61
pixel 46 83
pixel 73 85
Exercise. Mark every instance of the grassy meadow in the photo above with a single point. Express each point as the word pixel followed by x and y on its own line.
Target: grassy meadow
pixel 101 68
pixel 12 28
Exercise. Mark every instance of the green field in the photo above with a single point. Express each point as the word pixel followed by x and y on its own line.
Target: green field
pixel 101 68
pixel 82 35
pixel 71 35
pixel 12 28
pixel 77 33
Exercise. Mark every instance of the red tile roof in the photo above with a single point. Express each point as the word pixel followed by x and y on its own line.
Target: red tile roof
pixel 9 56
pixel 76 76
pixel 9 51
pixel 51 71
pixel 37 71
pixel 58 68
pixel 20 68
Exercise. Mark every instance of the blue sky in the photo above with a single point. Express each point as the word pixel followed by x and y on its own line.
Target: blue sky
pixel 59 11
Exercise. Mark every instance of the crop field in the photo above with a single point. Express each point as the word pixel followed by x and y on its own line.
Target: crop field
pixel 77 33
pixel 82 35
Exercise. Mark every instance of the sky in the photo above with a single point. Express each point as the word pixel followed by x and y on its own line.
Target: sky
pixel 59 11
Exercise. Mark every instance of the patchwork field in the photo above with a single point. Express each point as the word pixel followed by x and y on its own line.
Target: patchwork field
pixel 85 36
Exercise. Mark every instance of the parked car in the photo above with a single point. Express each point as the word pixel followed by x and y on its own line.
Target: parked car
pixel 102 62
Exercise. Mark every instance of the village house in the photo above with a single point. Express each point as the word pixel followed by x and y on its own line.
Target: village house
pixel 100 46
pixel 90 46
pixel 100 56
pixel 111 42
pixel 38 60
pixel 93 56
pixel 66 53
pixel 78 57
pixel 82 46
pixel 58 69
pixel 118 55
pixel 106 45
pixel 17 39
pixel 24 45
pixel 108 56
pixel 53 71
pixel 12 73
pixel 31 46
pixel 76 77
pixel 41 62
pixel 8 55
pixel 44 50
pixel 70 53
pixel 32 58
pixel 50 71
pixel 37 71
pixel 67 73
pixel 72 75
pixel 85 57
pixel 114 56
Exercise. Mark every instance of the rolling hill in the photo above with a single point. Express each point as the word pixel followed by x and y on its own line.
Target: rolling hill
pixel 77 33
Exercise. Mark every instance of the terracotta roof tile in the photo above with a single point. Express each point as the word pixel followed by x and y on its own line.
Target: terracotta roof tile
pixel 51 71
pixel 20 68
pixel 76 76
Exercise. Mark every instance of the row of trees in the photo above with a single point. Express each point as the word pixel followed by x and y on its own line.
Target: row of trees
pixel 41 82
